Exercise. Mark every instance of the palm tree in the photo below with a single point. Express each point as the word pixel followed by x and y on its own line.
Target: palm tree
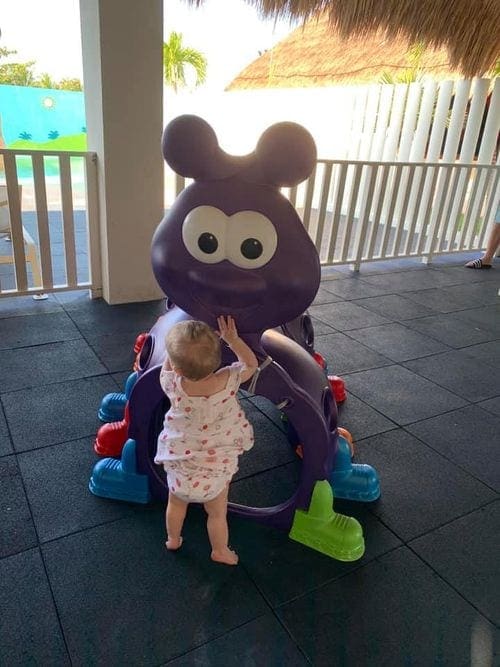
pixel 177 57
pixel 414 72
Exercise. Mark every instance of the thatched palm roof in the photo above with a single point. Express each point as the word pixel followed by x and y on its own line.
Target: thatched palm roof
pixel 469 29
pixel 312 57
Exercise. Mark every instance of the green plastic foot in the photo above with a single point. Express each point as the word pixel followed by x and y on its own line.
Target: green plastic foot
pixel 322 529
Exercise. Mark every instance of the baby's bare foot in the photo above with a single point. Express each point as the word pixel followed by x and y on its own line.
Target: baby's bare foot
pixel 226 556
pixel 173 543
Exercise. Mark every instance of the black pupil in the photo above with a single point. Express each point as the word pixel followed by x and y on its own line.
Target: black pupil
pixel 208 243
pixel 251 248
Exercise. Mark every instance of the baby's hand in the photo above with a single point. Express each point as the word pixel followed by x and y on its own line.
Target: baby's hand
pixel 227 329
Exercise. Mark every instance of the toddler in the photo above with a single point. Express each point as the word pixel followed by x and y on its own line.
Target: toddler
pixel 205 430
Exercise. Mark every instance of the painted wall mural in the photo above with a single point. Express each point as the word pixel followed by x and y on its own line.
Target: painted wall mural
pixel 41 119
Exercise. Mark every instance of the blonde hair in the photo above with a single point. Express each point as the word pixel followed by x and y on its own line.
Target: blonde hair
pixel 193 349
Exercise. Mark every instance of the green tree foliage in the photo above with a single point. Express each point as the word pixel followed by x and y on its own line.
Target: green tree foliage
pixel 177 58
pixel 413 72
pixel 21 74
pixel 46 81
pixel 69 84
pixel 494 71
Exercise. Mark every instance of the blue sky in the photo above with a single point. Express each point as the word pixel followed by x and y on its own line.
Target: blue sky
pixel 45 30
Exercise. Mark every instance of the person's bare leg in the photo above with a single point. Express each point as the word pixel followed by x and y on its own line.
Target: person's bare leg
pixel 493 243
pixel 174 519
pixel 216 510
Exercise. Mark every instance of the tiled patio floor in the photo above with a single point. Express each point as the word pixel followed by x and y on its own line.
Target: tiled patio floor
pixel 85 581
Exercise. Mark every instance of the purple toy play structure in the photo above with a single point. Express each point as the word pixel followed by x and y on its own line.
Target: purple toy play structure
pixel 232 244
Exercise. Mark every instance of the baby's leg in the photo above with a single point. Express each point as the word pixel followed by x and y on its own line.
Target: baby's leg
pixel 174 516
pixel 218 530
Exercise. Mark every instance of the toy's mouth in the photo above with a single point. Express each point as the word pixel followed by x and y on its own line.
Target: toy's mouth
pixel 243 293
pixel 224 309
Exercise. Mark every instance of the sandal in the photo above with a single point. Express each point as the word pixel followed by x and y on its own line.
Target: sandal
pixel 477 264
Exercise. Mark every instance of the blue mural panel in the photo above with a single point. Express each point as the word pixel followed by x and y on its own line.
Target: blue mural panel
pixel 40 114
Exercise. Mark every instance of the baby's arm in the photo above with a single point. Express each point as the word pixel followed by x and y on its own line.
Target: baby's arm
pixel 229 333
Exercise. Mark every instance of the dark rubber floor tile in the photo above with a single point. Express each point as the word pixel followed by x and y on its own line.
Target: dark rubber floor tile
pixel 345 355
pixel 44 364
pixel 158 604
pixel 393 611
pixel 491 405
pixel 487 318
pixel 260 642
pixel 344 316
pixel 57 477
pixel 397 342
pixel 29 630
pixel 460 373
pixel 411 281
pixel 5 442
pixel 58 412
pixel 465 553
pixel 115 351
pixel 466 437
pixel 26 305
pixel 17 531
pixel 284 569
pixel 421 489
pixel 325 296
pixel 401 395
pixel 360 419
pixel 395 307
pixel 353 289
pixel 451 330
pixel 28 330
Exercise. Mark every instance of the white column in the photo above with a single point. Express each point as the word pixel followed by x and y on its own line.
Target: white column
pixel 123 85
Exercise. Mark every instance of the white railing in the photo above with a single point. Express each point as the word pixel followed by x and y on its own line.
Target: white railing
pixel 359 211
pixel 49 229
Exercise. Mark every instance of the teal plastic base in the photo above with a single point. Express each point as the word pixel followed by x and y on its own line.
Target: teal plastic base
pixel 353 481
pixel 118 479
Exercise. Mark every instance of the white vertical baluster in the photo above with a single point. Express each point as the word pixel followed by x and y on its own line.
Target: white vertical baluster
pixel 491 127
pixel 42 217
pixel 68 220
pixel 398 171
pixel 353 198
pixel 436 141
pixel 380 193
pixel 364 217
pixel 371 121
pixel 448 225
pixel 457 203
pixel 474 118
pixel 417 154
pixel 425 211
pixel 491 204
pixel 325 189
pixel 337 211
pixel 306 216
pixel 409 176
pixel 357 123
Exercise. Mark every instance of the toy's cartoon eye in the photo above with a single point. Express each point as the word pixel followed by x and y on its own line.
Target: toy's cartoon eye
pixel 204 234
pixel 251 239
pixel 208 243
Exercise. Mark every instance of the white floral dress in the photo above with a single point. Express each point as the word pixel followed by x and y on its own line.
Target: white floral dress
pixel 202 437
